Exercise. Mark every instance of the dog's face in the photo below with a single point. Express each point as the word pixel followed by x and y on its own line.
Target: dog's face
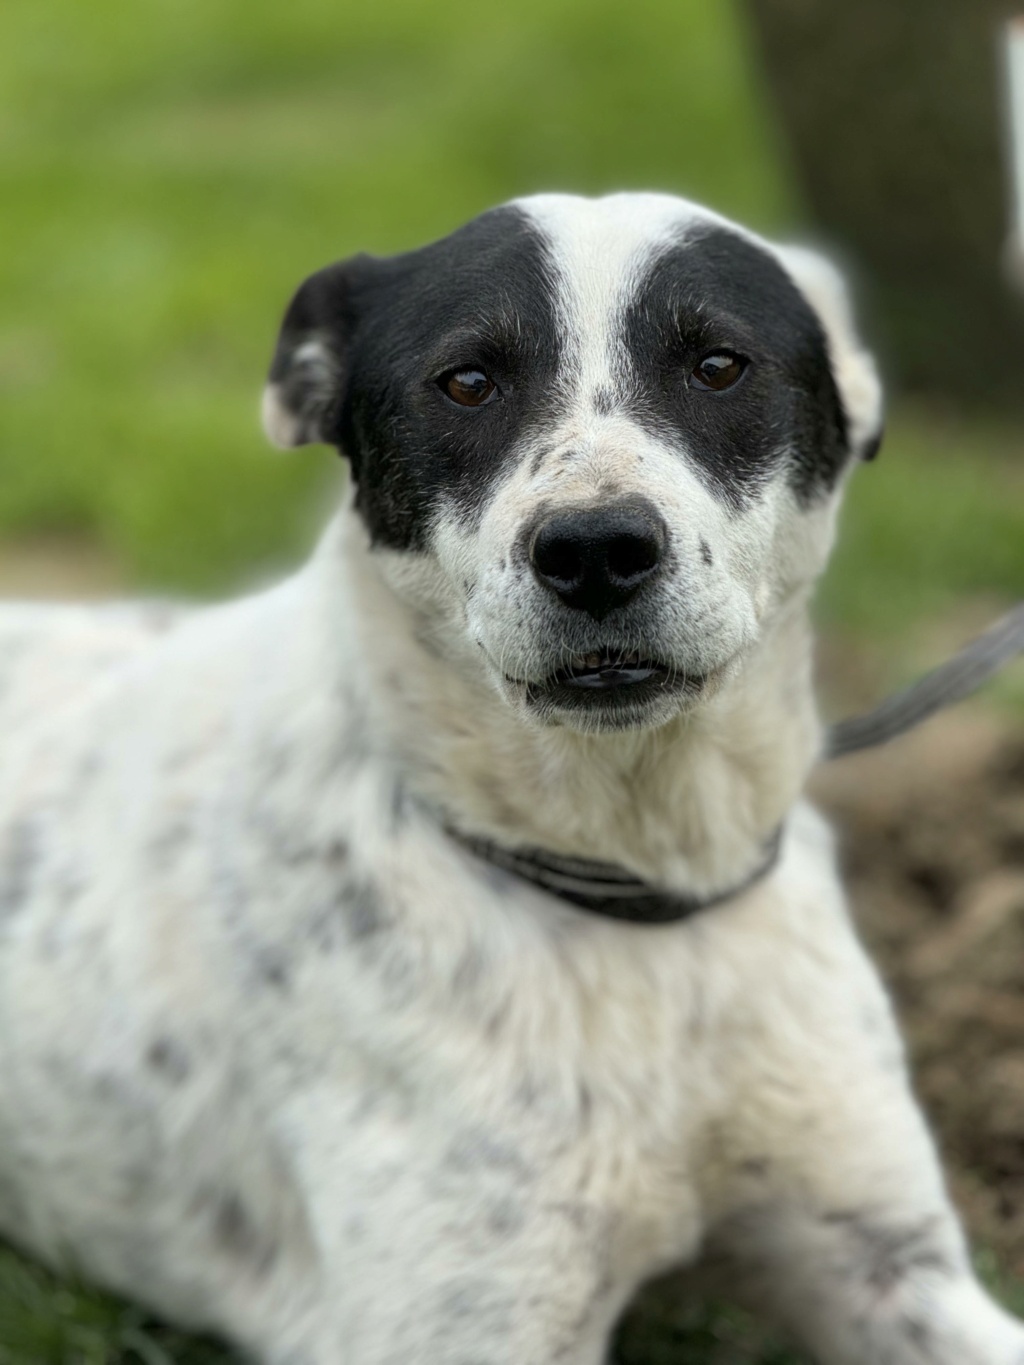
pixel 597 444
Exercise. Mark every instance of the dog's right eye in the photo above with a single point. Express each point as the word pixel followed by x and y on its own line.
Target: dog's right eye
pixel 718 371
pixel 469 388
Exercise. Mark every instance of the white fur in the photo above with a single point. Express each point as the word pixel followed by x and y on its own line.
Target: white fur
pixel 853 367
pixel 281 1059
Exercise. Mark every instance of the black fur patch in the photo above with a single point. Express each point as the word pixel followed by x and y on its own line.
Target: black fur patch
pixel 237 1235
pixel 366 913
pixel 716 291
pixel 481 298
pixel 169 1059
pixel 886 1254
pixel 274 968
pixel 19 854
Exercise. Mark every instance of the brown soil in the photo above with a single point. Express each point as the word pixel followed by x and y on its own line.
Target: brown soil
pixel 932 832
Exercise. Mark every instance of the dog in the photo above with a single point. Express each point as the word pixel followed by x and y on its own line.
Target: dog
pixel 405 963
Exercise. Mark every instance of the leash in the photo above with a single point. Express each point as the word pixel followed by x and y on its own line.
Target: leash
pixel 609 890
pixel 951 682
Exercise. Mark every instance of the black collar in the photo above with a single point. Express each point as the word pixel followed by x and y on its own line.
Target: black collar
pixel 604 888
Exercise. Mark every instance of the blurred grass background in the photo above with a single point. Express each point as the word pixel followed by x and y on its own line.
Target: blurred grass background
pixel 170 171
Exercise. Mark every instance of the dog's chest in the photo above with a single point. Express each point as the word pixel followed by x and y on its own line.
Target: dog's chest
pixel 400 1038
pixel 331 988
pixel 474 1067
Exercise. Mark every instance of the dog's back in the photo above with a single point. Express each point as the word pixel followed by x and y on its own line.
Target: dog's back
pixel 51 655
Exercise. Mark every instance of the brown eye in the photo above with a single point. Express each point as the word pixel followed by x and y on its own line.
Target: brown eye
pixel 469 388
pixel 718 371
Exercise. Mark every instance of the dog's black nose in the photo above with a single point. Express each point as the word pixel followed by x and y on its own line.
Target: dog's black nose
pixel 595 560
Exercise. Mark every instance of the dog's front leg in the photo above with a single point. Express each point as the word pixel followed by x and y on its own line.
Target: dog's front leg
pixel 876 1287
pixel 847 1235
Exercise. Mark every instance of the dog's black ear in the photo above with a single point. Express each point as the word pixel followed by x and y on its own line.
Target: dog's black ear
pixel 307 375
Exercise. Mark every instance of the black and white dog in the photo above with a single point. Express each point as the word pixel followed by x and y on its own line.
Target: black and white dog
pixel 316 1028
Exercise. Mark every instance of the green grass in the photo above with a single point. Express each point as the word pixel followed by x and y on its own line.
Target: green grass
pixel 931 535
pixel 170 173
pixel 938 517
pixel 46 1321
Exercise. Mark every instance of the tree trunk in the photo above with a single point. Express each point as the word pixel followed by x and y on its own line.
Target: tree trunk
pixel 893 110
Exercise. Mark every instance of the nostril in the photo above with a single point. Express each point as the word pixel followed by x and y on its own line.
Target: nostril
pixel 558 559
pixel 632 558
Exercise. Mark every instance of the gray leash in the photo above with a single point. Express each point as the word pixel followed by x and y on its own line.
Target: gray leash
pixel 951 682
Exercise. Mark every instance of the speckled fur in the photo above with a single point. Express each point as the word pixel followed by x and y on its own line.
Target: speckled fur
pixel 281 1060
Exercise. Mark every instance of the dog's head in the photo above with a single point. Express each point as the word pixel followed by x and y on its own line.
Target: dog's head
pixel 598 444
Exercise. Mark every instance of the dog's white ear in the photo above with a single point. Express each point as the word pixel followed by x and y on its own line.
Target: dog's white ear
pixel 302 398
pixel 853 367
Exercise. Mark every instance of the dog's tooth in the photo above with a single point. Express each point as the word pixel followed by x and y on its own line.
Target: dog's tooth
pixel 593 660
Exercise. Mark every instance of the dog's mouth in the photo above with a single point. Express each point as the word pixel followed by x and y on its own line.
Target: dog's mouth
pixel 611 683
pixel 602 671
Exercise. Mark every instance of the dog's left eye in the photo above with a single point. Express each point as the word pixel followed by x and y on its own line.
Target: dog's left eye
pixel 718 371
pixel 469 388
